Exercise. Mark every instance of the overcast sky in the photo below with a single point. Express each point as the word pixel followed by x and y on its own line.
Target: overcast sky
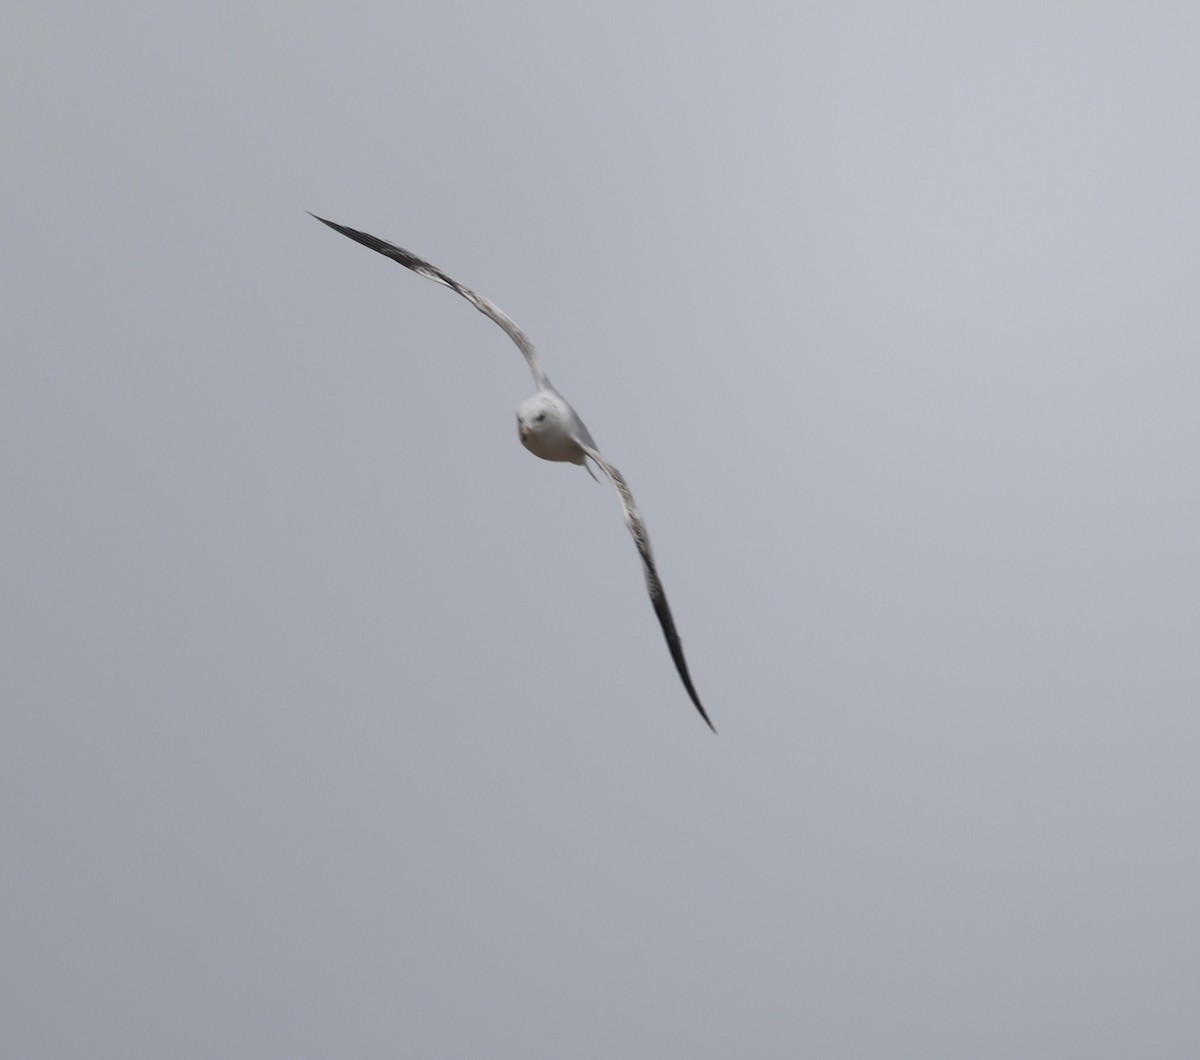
pixel 334 724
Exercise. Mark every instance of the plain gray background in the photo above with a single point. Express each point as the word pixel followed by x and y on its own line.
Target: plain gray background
pixel 336 725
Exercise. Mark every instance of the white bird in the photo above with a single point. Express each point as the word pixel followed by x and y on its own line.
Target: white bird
pixel 551 429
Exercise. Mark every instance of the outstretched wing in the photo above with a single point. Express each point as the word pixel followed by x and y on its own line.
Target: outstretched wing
pixel 432 272
pixel 658 596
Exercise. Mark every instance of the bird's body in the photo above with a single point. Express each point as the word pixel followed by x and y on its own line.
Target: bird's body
pixel 551 429
pixel 548 427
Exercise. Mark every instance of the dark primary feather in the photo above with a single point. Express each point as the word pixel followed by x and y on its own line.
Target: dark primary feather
pixel 432 272
pixel 658 596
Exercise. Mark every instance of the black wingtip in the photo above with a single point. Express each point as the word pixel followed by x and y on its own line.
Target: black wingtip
pixel 676 647
pixel 662 609
pixel 332 224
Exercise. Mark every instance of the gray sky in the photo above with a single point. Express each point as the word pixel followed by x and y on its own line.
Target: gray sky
pixel 335 724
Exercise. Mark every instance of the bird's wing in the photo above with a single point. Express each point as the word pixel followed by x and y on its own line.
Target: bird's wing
pixel 658 597
pixel 432 272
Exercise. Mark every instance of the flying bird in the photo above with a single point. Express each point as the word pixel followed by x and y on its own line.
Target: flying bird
pixel 551 429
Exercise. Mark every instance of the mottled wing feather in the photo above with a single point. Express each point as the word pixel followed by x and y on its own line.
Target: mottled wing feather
pixel 432 272
pixel 658 596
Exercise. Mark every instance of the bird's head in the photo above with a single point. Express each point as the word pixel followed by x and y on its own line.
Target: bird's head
pixel 537 417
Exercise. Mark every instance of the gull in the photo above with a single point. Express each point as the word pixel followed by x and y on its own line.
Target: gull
pixel 551 429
